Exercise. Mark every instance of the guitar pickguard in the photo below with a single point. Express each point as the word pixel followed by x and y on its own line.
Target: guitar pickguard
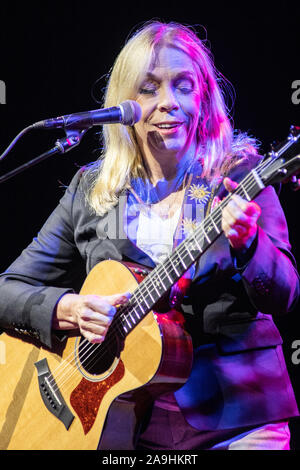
pixel 88 395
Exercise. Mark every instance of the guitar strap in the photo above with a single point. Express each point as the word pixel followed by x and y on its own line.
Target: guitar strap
pixel 198 202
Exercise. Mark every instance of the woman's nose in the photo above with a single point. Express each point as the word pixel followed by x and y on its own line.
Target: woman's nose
pixel 167 100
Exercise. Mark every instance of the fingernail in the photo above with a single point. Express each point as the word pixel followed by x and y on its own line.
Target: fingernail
pixel 97 339
pixel 128 295
pixel 231 233
pixel 112 310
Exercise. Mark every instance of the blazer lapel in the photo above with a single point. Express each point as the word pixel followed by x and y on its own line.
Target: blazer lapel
pixel 111 226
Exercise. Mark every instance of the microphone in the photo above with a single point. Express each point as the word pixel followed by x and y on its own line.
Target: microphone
pixel 128 113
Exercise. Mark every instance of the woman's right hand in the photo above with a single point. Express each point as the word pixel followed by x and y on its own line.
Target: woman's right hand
pixel 91 314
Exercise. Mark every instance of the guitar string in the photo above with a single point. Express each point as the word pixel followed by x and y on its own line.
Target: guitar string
pixel 248 187
pixel 93 345
pixel 172 267
pixel 126 307
pixel 163 274
pixel 259 168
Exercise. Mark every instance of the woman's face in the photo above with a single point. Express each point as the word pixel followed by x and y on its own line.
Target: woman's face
pixel 170 100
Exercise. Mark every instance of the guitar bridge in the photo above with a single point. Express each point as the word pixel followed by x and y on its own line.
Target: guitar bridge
pixel 51 395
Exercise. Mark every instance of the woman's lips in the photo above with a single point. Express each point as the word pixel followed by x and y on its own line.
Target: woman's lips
pixel 167 128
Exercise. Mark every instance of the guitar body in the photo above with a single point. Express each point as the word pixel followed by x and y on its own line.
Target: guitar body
pixel 60 401
pixel 77 393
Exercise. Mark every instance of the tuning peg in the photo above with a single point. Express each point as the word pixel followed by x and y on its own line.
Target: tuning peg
pixel 294 132
pixel 274 144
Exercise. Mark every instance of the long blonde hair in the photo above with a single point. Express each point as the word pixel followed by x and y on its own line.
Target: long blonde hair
pixel 121 159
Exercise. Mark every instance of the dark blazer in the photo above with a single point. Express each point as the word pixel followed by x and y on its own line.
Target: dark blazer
pixel 239 376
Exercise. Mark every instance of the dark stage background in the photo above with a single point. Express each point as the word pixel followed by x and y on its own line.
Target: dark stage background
pixel 53 52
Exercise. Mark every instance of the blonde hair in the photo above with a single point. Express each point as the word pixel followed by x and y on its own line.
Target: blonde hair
pixel 121 159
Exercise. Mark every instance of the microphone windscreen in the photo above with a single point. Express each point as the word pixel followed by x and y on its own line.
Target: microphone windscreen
pixel 131 112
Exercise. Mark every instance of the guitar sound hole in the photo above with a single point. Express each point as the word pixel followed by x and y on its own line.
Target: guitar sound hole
pixel 96 359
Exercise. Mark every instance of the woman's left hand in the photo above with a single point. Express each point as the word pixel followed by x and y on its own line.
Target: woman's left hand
pixel 239 219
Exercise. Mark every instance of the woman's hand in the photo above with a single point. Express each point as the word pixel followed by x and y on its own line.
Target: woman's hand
pixel 239 219
pixel 92 314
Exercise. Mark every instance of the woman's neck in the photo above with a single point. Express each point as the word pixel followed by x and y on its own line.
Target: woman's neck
pixel 168 170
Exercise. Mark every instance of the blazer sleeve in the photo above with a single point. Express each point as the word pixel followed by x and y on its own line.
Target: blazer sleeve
pixel 31 287
pixel 270 277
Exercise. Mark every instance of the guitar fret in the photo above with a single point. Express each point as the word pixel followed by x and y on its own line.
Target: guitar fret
pixel 155 287
pixel 216 227
pixel 143 298
pixel 212 229
pixel 206 236
pixel 161 281
pixel 168 276
pixel 149 292
pixel 182 260
pixel 258 181
pixel 126 319
pixel 189 253
pixel 245 192
pixel 137 314
pixel 199 247
pixel 140 307
pixel 132 318
pixel 174 267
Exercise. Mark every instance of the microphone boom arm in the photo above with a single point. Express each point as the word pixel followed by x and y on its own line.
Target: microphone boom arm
pixel 72 139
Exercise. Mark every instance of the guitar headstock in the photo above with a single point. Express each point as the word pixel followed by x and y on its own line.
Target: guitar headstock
pixel 282 164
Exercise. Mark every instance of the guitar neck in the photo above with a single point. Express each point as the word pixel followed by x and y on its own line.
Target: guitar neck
pixel 166 274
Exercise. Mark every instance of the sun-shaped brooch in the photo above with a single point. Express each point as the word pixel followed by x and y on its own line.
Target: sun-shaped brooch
pixel 199 193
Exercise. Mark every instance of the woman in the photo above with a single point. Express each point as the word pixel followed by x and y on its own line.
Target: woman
pixel 172 167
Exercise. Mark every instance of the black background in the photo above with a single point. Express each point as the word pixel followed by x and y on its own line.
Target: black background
pixel 51 54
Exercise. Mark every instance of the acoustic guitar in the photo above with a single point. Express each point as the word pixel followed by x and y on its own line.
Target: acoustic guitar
pixel 78 393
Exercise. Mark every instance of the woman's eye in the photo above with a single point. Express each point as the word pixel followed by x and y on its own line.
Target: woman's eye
pixel 185 90
pixel 147 90
pixel 184 86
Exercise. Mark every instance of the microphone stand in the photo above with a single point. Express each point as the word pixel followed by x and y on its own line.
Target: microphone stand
pixel 72 139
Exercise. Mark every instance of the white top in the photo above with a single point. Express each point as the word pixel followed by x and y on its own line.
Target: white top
pixel 155 234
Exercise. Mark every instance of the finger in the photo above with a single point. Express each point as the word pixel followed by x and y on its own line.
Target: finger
pixel 96 339
pixel 92 337
pixel 232 234
pixel 88 327
pixel 239 202
pixel 90 315
pixel 253 210
pixel 249 208
pixel 233 214
pixel 232 228
pixel 99 304
pixel 215 202
pixel 229 184
pixel 245 213
pixel 118 299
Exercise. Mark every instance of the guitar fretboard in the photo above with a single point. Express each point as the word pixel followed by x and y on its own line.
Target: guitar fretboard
pixel 166 274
